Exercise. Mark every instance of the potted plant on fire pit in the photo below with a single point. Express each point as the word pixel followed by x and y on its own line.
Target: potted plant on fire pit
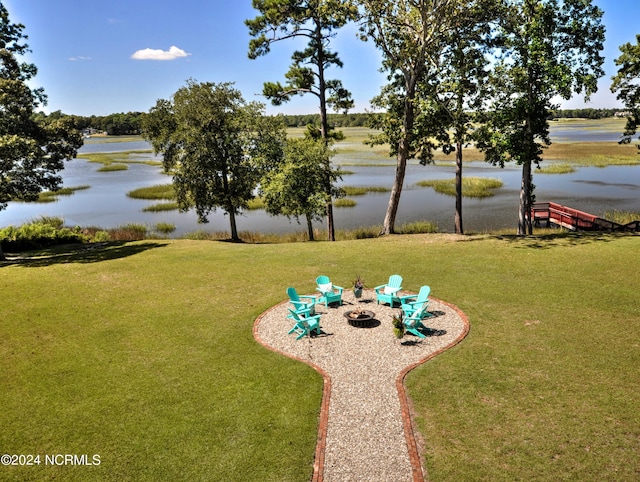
pixel 358 286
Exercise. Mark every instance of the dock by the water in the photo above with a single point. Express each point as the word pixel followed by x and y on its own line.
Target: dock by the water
pixel 550 213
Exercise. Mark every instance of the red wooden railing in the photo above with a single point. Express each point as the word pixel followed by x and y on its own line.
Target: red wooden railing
pixel 575 220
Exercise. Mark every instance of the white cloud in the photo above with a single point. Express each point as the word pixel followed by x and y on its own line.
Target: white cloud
pixel 79 58
pixel 157 54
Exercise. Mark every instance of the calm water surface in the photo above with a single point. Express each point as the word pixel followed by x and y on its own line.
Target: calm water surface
pixel 106 205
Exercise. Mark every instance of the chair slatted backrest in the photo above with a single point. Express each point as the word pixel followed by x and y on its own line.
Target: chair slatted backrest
pixel 293 294
pixel 423 294
pixel 395 281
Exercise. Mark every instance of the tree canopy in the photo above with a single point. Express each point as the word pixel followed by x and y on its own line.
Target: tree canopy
pixel 296 187
pixel 550 49
pixel 316 22
pixel 626 83
pixel 215 144
pixel 32 148
pixel 411 35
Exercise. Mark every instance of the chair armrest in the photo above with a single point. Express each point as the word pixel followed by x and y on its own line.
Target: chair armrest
pixel 338 288
pixel 378 288
pixel 404 299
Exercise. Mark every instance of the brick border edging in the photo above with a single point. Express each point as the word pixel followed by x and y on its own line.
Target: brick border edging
pixel 321 443
pixel 405 407
pixel 414 455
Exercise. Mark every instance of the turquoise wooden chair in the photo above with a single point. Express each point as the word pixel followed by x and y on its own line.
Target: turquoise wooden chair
pixel 329 293
pixel 413 323
pixel 412 303
pixel 300 305
pixel 388 293
pixel 305 325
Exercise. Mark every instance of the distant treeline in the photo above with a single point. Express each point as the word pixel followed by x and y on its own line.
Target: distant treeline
pixel 334 120
pixel 587 113
pixel 113 124
pixel 129 123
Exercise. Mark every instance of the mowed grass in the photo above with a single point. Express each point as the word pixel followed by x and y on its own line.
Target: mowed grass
pixel 143 353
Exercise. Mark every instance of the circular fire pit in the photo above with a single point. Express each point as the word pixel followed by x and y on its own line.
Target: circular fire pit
pixel 360 318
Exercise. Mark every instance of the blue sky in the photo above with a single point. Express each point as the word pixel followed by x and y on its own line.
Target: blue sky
pixel 99 57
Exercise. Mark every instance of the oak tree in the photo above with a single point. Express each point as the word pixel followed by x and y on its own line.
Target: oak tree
pixel 551 49
pixel 33 147
pixel 296 187
pixel 626 83
pixel 216 145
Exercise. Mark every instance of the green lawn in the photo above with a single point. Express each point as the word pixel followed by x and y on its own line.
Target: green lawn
pixel 143 354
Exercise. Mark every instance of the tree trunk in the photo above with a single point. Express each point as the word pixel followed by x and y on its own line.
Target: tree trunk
pixel 396 190
pixel 403 154
pixel 310 227
pixel 524 226
pixel 324 128
pixel 458 215
pixel 234 229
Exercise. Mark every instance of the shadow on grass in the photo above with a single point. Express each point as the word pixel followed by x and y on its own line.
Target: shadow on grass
pixel 79 253
pixel 560 239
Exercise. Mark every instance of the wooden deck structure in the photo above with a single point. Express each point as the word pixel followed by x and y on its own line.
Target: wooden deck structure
pixel 550 213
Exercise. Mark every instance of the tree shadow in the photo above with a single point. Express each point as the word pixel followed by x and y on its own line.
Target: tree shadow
pixel 79 253
pixel 555 240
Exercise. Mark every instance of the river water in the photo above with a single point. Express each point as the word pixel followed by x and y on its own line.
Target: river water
pixel 105 204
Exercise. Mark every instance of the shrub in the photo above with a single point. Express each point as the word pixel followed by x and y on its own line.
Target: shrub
pixel 38 234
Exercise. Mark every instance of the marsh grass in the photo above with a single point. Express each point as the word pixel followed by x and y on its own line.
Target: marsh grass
pixel 574 153
pixel 159 191
pixel 476 187
pixel 360 191
pixel 621 217
pixel 556 168
pixel 113 167
pixel 52 196
pixel 597 154
pixel 159 207
pixel 418 227
pixel 165 228
pixel 345 203
pixel 120 158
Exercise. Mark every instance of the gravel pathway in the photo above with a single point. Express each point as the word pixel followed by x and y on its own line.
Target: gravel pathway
pixel 365 431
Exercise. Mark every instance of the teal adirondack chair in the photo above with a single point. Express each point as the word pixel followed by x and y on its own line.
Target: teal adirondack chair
pixel 329 293
pixel 388 293
pixel 413 323
pixel 305 325
pixel 412 303
pixel 299 304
